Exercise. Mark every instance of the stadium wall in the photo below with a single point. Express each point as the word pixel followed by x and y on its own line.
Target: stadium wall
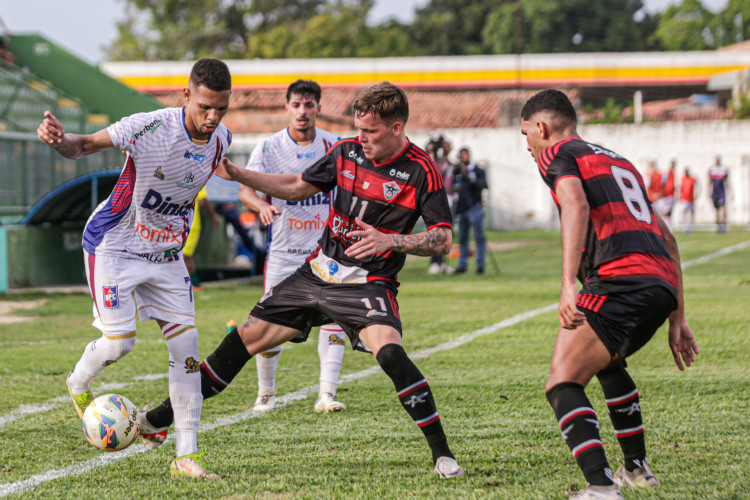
pixel 518 199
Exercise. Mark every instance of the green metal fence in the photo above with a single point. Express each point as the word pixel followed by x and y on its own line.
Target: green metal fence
pixel 29 170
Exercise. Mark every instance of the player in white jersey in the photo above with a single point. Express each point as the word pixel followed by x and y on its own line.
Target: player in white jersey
pixel 133 243
pixel 294 230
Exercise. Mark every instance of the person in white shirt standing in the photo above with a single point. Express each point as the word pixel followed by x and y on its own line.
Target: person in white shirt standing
pixel 294 230
pixel 134 239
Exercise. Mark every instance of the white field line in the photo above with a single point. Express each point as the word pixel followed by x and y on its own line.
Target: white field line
pixel 106 459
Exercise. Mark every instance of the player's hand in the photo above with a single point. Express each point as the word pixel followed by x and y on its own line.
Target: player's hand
pixel 371 241
pixel 570 316
pixel 682 342
pixel 267 212
pixel 50 131
pixel 225 169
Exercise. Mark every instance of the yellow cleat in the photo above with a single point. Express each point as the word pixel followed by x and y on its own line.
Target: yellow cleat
pixel 80 401
pixel 193 465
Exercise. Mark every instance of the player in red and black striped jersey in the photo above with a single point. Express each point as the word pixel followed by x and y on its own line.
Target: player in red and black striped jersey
pixel 385 184
pixel 627 260
pixel 389 196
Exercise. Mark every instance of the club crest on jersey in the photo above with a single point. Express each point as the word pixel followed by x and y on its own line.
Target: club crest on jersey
pixel 111 297
pixel 390 190
pixel 158 173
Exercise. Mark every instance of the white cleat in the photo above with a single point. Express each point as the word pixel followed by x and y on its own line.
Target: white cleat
pixel 265 402
pixel 447 467
pixel 642 477
pixel 152 436
pixel 328 403
pixel 611 492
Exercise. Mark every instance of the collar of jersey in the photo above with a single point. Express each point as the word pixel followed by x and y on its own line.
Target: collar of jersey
pixel 399 155
pixel 292 139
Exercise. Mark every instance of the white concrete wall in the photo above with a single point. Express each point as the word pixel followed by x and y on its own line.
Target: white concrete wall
pixel 519 199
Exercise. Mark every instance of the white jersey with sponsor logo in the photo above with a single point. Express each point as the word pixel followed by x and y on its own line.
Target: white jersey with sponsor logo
pixel 149 213
pixel 294 234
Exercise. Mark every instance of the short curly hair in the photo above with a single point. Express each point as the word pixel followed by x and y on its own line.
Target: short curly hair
pixel 550 100
pixel 212 74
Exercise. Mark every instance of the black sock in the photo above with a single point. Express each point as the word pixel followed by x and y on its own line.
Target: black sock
pixel 580 429
pixel 624 407
pixel 415 396
pixel 217 371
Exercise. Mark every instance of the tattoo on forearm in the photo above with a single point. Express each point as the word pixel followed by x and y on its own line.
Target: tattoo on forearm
pixel 70 147
pixel 432 242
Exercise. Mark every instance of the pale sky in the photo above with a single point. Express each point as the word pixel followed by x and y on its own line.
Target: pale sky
pixel 84 27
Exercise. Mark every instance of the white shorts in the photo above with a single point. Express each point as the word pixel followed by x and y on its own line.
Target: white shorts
pixel 275 271
pixel 162 291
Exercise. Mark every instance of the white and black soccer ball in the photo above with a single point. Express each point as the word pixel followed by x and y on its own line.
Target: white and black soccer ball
pixel 110 422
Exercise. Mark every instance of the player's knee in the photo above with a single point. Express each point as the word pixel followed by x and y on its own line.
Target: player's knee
pixel 390 356
pixel 119 347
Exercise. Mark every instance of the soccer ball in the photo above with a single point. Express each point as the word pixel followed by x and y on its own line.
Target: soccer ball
pixel 110 422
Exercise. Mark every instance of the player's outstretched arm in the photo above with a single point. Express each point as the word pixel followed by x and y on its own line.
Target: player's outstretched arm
pixel 436 241
pixel 283 186
pixel 681 339
pixel 72 146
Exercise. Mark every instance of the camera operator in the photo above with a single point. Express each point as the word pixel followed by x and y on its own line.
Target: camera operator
pixel 468 181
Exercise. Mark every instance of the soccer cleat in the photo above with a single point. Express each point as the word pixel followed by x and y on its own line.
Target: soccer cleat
pixel 193 465
pixel 80 401
pixel 265 402
pixel 434 268
pixel 328 403
pixel 642 477
pixel 447 467
pixel 611 492
pixel 152 436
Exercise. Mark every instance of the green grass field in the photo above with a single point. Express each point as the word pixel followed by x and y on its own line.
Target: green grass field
pixel 488 385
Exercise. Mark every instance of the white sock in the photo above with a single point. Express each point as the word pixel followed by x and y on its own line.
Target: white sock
pixel 267 362
pixel 331 347
pixel 97 355
pixel 184 385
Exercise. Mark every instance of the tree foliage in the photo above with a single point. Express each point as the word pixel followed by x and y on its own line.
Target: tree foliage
pixel 540 26
pixel 687 26
pixel 237 29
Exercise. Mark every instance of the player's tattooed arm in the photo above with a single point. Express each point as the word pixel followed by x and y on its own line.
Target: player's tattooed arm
pixel 72 146
pixel 436 241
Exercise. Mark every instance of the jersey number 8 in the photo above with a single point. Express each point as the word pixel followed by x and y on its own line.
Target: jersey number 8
pixel 632 193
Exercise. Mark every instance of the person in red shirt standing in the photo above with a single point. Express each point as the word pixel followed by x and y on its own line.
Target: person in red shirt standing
pixel 653 180
pixel 667 200
pixel 688 189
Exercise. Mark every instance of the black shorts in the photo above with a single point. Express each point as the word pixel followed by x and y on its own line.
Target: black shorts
pixel 303 301
pixel 624 322
pixel 719 201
